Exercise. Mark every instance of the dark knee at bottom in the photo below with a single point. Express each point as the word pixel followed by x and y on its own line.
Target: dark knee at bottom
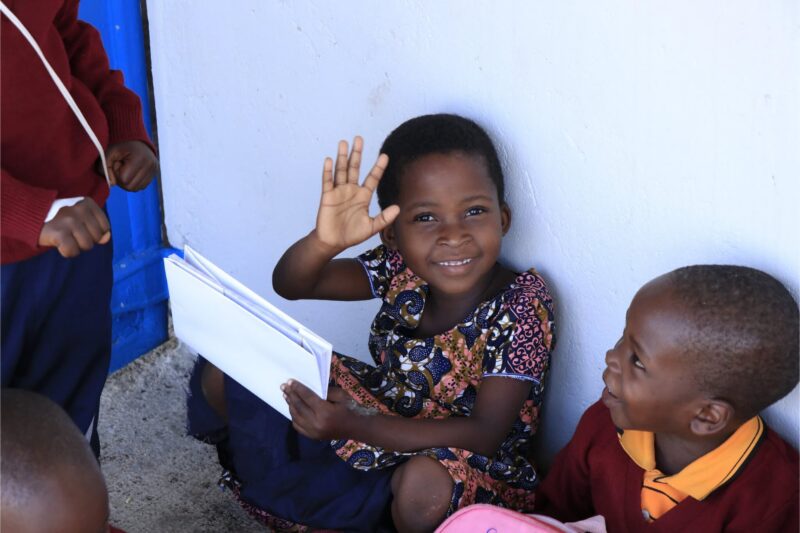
pixel 422 489
pixel 212 383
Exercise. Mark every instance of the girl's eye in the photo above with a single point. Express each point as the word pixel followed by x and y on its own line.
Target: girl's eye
pixel 472 211
pixel 637 362
pixel 424 217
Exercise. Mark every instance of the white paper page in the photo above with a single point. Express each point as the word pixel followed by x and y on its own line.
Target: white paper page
pixel 246 297
pixel 236 340
pixel 322 352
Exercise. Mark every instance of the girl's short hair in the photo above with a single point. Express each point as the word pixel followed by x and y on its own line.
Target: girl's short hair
pixel 441 133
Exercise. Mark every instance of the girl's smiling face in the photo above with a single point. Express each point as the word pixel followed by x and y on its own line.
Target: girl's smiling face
pixel 451 222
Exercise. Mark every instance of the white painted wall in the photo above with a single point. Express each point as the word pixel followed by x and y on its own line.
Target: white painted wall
pixel 637 137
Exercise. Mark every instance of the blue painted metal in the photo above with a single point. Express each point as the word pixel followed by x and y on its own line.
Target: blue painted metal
pixel 139 297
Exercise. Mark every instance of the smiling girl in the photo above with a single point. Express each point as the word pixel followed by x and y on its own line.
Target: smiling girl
pixel 460 345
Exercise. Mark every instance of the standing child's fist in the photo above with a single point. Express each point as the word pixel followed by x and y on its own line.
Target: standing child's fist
pixel 131 165
pixel 76 229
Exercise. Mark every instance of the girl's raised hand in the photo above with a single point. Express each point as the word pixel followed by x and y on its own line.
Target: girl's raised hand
pixel 343 219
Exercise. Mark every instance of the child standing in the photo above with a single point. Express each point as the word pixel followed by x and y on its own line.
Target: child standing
pixel 676 443
pixel 460 344
pixel 56 252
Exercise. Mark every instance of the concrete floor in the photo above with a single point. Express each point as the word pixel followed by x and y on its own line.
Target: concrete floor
pixel 159 479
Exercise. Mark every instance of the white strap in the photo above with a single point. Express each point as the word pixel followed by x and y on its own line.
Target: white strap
pixel 64 92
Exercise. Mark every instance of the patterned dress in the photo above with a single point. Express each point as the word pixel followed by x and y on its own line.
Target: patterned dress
pixel 509 335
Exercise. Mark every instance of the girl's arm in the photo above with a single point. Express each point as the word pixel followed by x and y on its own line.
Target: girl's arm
pixel 496 407
pixel 307 269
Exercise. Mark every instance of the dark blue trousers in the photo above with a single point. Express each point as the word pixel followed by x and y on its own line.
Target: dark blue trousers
pixel 56 330
pixel 284 473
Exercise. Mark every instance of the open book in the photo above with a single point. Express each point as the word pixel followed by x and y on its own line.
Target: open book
pixel 242 334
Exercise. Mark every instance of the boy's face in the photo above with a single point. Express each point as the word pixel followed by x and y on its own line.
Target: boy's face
pixel 649 384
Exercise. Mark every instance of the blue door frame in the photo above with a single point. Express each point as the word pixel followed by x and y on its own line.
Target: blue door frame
pixel 139 297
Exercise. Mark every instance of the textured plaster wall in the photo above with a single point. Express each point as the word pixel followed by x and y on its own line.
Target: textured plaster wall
pixel 637 137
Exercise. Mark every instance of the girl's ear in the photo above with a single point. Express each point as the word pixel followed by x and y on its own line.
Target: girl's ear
pixel 388 237
pixel 505 217
pixel 711 418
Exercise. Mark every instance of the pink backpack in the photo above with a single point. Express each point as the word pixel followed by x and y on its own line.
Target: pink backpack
pixel 480 518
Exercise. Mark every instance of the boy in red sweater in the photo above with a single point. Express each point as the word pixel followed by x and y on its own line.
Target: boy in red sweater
pixel 56 283
pixel 676 443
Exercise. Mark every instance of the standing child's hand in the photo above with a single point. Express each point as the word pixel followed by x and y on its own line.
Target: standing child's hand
pixel 317 418
pixel 343 219
pixel 76 228
pixel 131 165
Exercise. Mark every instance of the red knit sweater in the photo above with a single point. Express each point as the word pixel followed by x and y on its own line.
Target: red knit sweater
pixel 593 475
pixel 45 153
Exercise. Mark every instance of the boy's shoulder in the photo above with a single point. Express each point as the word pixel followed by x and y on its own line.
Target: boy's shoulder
pixel 767 486
pixel 597 426
pixel 765 491
pixel 774 467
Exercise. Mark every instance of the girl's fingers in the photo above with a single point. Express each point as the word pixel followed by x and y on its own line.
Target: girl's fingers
pixel 327 175
pixel 340 178
pixel 385 218
pixel 298 421
pixel 336 395
pixel 355 160
pixel 296 407
pixel 297 427
pixel 375 175
pixel 298 395
pixel 303 394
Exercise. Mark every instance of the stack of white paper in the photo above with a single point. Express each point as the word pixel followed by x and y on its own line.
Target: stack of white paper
pixel 242 334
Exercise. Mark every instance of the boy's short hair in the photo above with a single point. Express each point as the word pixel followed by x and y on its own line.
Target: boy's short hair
pixel 37 438
pixel 429 134
pixel 744 346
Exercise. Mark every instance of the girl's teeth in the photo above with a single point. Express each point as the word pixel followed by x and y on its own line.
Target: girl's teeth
pixel 455 263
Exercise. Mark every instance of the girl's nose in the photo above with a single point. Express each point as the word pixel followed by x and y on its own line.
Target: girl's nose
pixel 452 233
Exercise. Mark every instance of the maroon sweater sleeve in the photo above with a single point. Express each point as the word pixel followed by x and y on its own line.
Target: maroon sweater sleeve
pixel 565 493
pixel 787 518
pixel 24 210
pixel 89 64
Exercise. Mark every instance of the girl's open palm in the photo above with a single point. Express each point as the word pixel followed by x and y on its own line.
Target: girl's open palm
pixel 343 219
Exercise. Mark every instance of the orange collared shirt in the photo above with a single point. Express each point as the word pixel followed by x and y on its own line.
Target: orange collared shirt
pixel 698 479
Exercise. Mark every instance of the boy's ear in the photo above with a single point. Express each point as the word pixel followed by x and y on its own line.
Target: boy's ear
pixel 505 217
pixel 388 237
pixel 711 417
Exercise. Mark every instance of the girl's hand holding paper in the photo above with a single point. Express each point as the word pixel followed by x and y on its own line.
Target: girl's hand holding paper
pixel 317 418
